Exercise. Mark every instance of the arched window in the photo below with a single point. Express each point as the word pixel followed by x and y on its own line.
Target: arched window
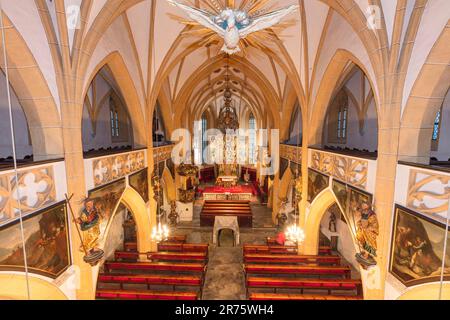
pixel 342 123
pixel 114 117
pixel 252 139
pixel 338 119
pixel 436 131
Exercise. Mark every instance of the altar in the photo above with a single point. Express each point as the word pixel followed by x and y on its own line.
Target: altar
pixel 227 181
pixel 242 193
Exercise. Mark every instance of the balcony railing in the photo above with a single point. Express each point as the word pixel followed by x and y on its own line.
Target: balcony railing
pixel 357 171
pixel 35 187
pixel 105 169
pixel 423 189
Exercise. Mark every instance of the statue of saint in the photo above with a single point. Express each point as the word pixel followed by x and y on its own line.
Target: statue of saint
pixel 367 230
pixel 89 222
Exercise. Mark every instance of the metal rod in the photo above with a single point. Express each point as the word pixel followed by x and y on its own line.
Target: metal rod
pixel 13 140
pixel 445 250
pixel 76 224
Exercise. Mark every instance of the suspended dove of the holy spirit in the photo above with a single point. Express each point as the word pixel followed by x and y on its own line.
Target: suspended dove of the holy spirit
pixel 233 25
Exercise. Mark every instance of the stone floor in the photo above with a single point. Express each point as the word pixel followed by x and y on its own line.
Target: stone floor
pixel 225 277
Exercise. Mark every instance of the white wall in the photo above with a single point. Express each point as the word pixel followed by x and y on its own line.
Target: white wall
pixel 114 241
pixel 23 145
pixel 102 137
pixel 367 138
pixel 345 242
pixel 443 151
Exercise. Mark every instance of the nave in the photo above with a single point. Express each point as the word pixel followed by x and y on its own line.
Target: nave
pixel 224 149
pixel 189 266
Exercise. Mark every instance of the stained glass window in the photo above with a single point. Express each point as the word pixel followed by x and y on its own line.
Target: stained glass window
pixel 436 127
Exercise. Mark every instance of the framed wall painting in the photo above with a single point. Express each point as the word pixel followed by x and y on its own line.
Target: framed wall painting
pixel 356 197
pixel 317 182
pixel 106 200
pixel 417 248
pixel 139 182
pixel 341 192
pixel 47 243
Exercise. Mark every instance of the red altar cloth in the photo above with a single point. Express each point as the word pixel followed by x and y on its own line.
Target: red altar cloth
pixel 236 189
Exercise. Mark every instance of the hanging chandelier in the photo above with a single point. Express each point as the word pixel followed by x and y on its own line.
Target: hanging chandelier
pixel 228 119
pixel 295 234
pixel 160 233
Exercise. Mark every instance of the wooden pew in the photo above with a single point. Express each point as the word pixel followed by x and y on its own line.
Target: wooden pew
pixel 162 256
pixel 178 256
pixel 169 280
pixel 324 250
pixel 154 267
pixel 183 247
pixel 336 271
pixel 283 258
pixel 279 296
pixel 263 249
pixel 317 284
pixel 144 295
pixel 266 249
pixel 132 246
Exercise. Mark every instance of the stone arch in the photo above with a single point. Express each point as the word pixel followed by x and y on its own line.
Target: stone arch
pixel 34 95
pixel 14 286
pixel 285 183
pixel 122 76
pixel 170 190
pixel 429 291
pixel 138 209
pixel 331 81
pixel 427 96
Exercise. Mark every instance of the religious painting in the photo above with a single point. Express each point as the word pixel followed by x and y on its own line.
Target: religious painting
pixel 317 182
pixel 417 248
pixel 171 166
pixel 342 193
pixel 105 200
pixel 284 164
pixel 46 238
pixel 139 182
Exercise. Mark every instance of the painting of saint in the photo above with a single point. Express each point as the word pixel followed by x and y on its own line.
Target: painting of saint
pixel 341 192
pixel 317 182
pixel 139 182
pixel 417 248
pixel 46 239
pixel 106 199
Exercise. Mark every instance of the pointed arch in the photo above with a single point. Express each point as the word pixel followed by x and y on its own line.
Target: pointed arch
pixel 34 95
pixel 426 98
pixel 122 76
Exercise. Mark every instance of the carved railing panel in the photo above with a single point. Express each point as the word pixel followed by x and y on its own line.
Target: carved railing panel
pixel 428 192
pixel 353 171
pixel 162 153
pixel 110 168
pixel 33 189
pixel 291 153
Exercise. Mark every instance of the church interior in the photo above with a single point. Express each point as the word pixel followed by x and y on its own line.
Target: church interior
pixel 225 150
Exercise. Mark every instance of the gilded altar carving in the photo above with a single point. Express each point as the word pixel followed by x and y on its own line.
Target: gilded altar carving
pixel 32 190
pixel 428 192
pixel 350 170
